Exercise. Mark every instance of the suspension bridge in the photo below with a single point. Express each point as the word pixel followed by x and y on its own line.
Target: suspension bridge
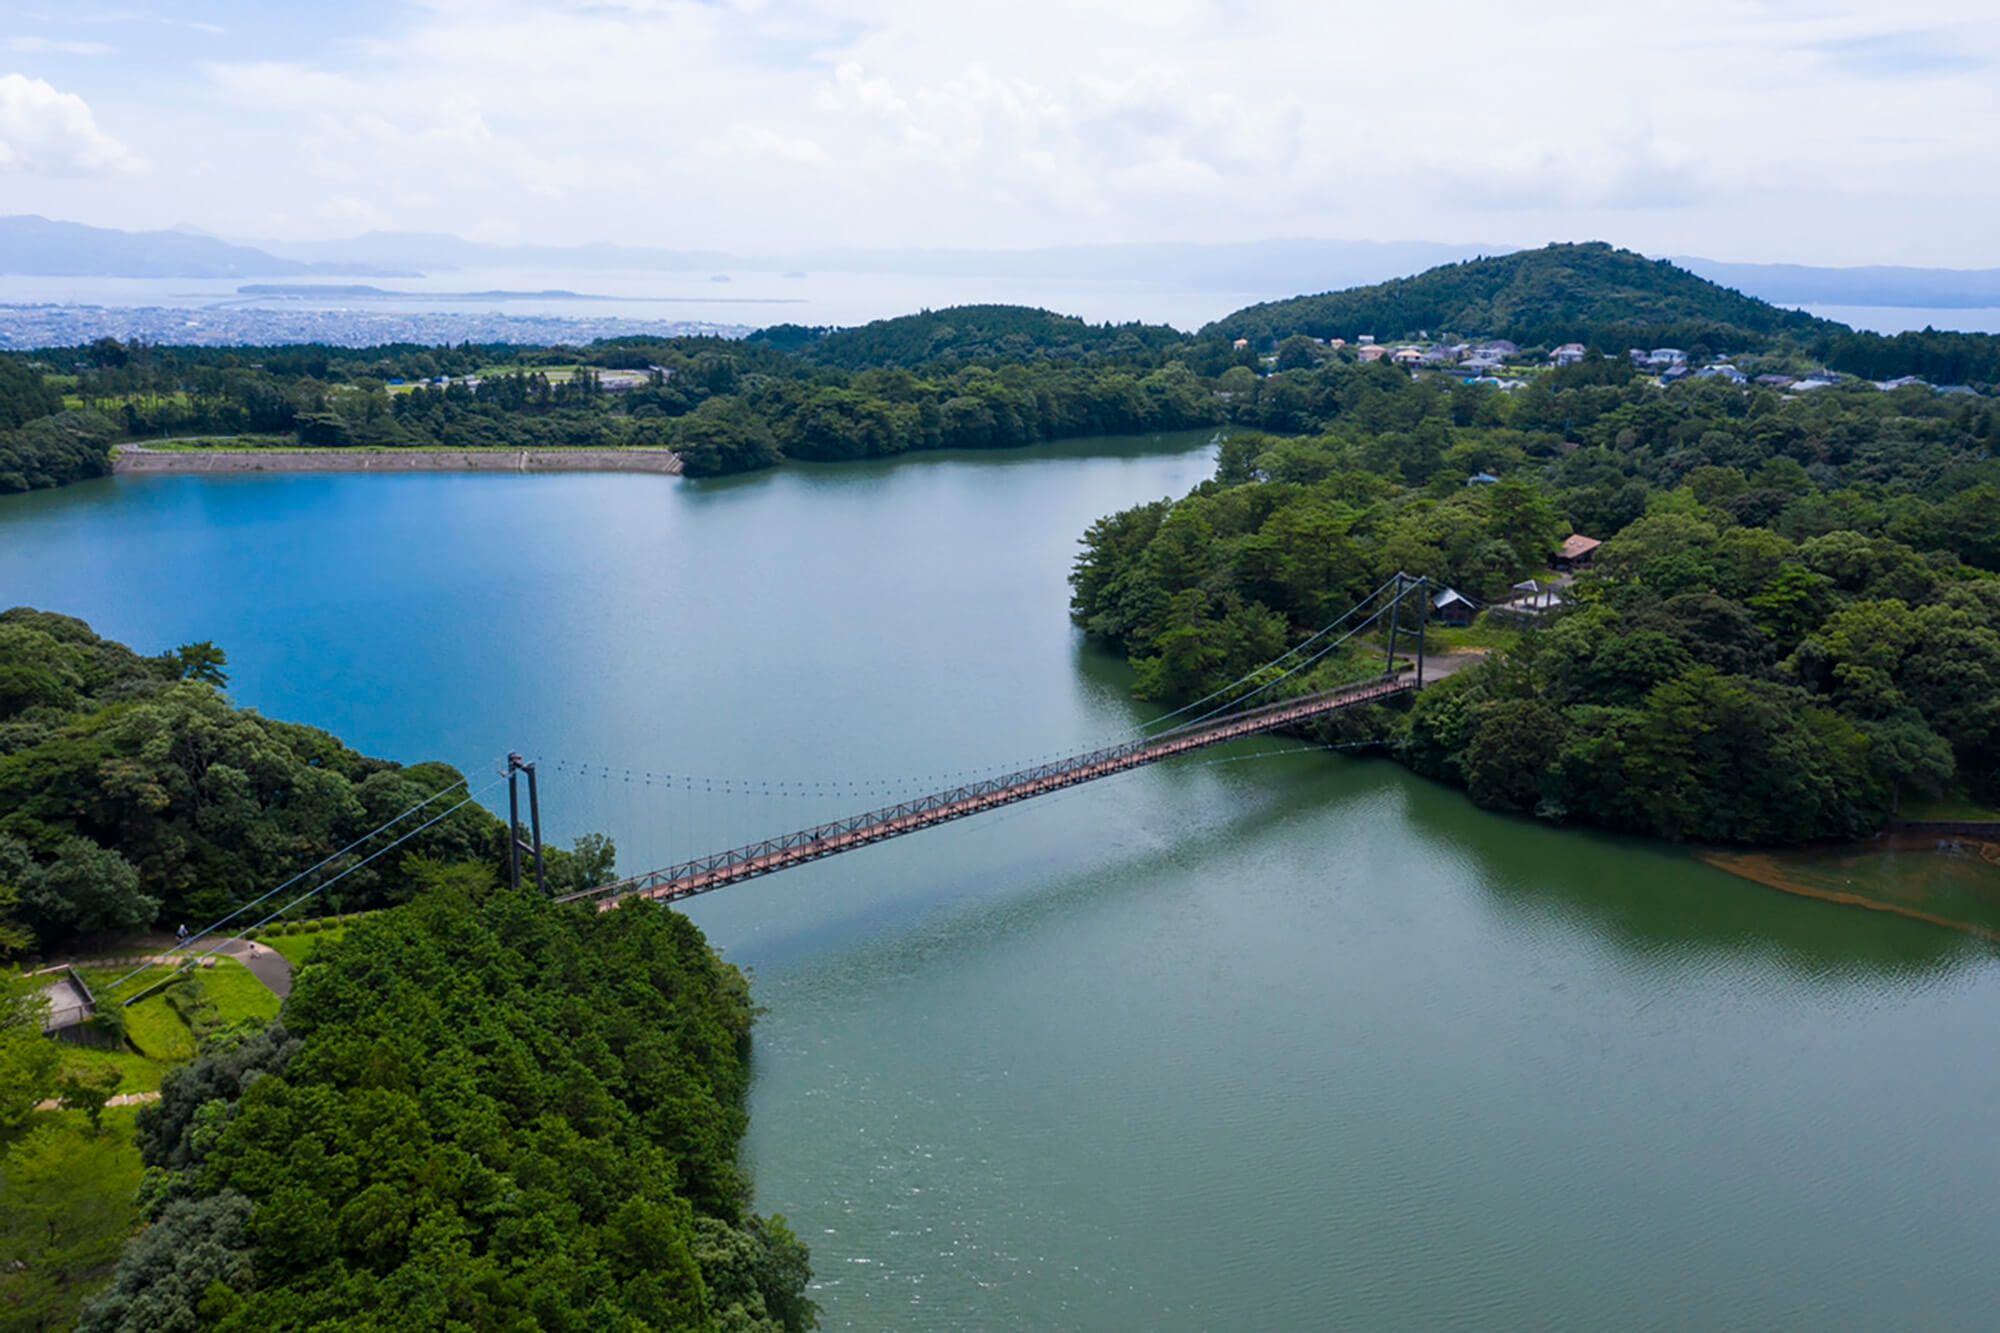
pixel 1233 712
pixel 1233 719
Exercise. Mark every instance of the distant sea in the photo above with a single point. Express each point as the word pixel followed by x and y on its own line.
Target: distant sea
pixel 756 299
pixel 1902 319
pixel 763 298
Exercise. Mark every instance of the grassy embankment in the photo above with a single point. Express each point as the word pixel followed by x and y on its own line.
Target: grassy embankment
pixel 67 1190
pixel 202 444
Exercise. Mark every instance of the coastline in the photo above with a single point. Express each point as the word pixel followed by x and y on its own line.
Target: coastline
pixel 134 459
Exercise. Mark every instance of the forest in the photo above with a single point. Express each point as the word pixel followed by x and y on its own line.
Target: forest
pixel 133 793
pixel 970 377
pixel 1793 623
pixel 476 1109
pixel 1610 300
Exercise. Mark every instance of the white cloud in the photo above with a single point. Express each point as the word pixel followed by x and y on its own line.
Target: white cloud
pixel 783 147
pixel 1811 129
pixel 53 46
pixel 45 130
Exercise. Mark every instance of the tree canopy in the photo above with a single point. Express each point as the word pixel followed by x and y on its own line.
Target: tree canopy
pixel 1794 619
pixel 479 1110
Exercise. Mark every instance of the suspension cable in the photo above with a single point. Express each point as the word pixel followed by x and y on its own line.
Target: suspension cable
pixel 190 959
pixel 1252 673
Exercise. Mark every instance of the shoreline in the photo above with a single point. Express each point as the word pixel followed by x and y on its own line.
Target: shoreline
pixel 131 459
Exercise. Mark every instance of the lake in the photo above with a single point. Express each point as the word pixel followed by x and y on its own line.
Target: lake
pixel 1264 1039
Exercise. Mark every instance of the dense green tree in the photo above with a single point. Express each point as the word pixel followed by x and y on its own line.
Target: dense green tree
pixel 29 1061
pixel 129 787
pixel 65 1209
pixel 483 1110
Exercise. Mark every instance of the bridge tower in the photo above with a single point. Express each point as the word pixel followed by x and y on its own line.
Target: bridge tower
pixel 1402 587
pixel 515 767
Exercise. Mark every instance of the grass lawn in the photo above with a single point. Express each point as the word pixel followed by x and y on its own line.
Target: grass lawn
pixel 153 1027
pixel 1481 633
pixel 237 994
pixel 556 374
pixel 157 1032
pixel 1952 805
pixel 136 1073
pixel 191 444
pixel 299 949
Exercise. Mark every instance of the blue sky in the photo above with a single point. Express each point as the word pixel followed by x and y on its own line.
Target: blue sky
pixel 1823 131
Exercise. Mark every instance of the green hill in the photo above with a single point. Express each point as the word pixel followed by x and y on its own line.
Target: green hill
pixel 974 333
pixel 1590 293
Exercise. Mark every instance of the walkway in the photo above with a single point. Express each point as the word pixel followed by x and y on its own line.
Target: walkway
pixel 708 873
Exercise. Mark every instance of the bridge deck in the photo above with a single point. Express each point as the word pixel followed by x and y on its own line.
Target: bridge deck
pixel 763 858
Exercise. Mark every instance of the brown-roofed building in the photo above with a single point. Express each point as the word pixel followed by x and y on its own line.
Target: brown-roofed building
pixel 1577 552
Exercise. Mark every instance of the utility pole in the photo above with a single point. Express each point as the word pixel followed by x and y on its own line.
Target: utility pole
pixel 515 767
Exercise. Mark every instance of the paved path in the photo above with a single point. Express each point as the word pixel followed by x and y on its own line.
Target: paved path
pixel 265 963
pixel 122 1099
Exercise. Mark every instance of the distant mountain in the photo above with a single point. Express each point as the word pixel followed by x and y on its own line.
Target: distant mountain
pixel 968 333
pixel 435 251
pixel 1275 265
pixel 1558 293
pixel 38 247
pixel 1800 284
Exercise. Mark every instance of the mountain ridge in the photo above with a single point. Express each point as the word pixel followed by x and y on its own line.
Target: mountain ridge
pixel 35 246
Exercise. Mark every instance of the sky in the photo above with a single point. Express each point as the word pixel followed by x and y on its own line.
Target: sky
pixel 1813 131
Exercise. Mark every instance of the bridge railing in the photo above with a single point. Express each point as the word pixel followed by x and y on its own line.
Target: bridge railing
pixel 840 834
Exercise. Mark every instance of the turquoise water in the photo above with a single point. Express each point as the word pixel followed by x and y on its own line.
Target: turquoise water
pixel 1283 1042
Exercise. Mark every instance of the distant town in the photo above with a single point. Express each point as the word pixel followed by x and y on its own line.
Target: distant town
pixel 25 327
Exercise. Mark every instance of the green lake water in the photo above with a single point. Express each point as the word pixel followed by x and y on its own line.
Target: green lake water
pixel 1296 1041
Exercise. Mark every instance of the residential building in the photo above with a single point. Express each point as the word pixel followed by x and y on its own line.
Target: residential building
pixel 1453 607
pixel 1576 552
pixel 1568 354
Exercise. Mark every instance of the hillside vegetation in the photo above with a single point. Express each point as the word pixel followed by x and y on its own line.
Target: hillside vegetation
pixel 973 333
pixel 480 1110
pixel 1794 622
pixel 1557 294
pixel 132 792
pixel 967 377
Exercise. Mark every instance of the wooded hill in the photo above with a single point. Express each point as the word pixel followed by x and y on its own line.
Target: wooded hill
pixel 1560 293
pixel 972 333
pixel 968 377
